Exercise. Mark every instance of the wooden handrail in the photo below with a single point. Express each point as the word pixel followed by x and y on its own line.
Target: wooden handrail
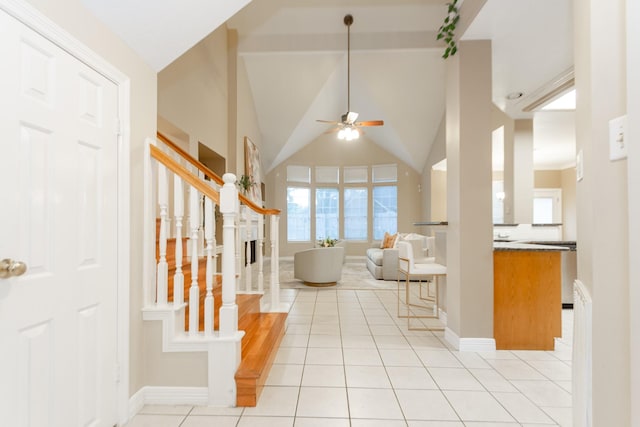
pixel 201 167
pixel 213 176
pixel 183 173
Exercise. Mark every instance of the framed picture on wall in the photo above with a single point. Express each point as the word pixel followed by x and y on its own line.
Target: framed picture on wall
pixel 252 167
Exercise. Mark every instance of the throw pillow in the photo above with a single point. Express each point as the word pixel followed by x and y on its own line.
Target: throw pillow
pixel 388 240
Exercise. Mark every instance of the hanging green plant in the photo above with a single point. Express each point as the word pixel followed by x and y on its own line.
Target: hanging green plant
pixel 245 183
pixel 447 30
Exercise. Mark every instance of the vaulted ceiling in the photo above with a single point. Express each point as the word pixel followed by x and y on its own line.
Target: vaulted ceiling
pixel 294 53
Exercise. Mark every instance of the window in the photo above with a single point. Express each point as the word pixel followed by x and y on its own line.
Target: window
pixel 355 174
pixel 327 213
pixel 385 210
pixel 384 173
pixel 298 214
pixel 299 174
pixel 547 205
pixel 355 213
pixel 327 174
pixel 385 200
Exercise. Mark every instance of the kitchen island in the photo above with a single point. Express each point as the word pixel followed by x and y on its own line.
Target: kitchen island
pixel 527 291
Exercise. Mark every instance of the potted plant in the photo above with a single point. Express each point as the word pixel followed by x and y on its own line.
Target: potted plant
pixel 327 243
pixel 245 183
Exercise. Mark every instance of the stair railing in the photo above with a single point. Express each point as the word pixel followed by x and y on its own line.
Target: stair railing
pixel 250 220
pixel 223 346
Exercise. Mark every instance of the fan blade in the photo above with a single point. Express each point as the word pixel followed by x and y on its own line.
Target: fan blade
pixel 371 123
pixel 333 122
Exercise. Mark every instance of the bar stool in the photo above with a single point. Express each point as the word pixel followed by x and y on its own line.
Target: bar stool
pixel 410 269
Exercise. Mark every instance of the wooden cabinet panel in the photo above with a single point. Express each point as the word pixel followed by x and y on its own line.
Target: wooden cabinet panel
pixel 527 299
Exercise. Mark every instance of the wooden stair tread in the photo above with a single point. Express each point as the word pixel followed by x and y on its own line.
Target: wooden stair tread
pixel 262 331
pixel 263 334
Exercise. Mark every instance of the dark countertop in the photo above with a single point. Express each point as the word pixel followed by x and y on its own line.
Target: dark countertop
pixel 519 246
pixel 533 225
pixel 431 223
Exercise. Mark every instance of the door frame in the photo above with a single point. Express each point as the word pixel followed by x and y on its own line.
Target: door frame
pixel 34 19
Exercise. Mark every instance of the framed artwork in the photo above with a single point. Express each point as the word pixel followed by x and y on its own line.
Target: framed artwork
pixel 252 167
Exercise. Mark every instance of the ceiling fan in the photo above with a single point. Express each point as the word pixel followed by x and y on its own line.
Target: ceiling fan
pixel 347 127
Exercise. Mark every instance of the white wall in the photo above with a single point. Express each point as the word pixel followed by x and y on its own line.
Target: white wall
pixel 602 201
pixel 633 134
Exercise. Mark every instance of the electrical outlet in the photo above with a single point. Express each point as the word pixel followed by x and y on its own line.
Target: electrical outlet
pixel 617 138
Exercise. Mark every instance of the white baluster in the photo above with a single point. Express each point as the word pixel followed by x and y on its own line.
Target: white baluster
pixel 208 235
pixel 162 272
pixel 247 252
pixel 229 208
pixel 259 253
pixel 275 285
pixel 274 268
pixel 178 210
pixel 194 291
pixel 238 240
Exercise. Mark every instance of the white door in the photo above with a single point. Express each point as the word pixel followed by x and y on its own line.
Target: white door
pixel 58 215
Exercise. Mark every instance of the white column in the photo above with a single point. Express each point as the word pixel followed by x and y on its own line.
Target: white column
pixel 259 246
pixel 194 291
pixel 229 209
pixel 247 253
pixel 208 235
pixel 162 272
pixel 178 210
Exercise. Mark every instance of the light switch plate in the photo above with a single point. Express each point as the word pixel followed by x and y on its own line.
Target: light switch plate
pixel 617 138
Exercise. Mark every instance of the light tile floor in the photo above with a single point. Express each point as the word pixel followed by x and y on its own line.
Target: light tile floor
pixel 347 360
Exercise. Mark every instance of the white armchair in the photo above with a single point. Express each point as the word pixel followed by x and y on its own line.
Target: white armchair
pixel 319 266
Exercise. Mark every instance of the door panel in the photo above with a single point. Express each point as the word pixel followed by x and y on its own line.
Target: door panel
pixel 59 168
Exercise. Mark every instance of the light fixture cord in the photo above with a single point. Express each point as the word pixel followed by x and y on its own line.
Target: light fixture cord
pixel 348 68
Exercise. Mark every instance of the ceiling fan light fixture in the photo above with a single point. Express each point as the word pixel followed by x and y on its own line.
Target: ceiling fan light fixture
pixel 347 127
pixel 348 133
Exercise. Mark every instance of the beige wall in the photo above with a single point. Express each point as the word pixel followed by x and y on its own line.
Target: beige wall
pixel 498 119
pixel 328 151
pixel 192 93
pixel 438 195
pixel 633 134
pixel 523 171
pixel 75 19
pixel 469 233
pixel 602 202
pixel 568 181
pixel 434 183
pixel 547 179
pixel 247 118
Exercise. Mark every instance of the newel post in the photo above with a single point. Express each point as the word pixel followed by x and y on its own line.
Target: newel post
pixel 229 210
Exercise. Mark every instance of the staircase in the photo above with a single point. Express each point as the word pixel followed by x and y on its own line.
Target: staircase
pixel 248 347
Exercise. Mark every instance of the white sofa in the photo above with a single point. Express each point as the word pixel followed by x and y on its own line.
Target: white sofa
pixel 319 266
pixel 383 263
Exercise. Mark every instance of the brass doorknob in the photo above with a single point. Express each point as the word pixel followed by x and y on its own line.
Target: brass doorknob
pixel 11 268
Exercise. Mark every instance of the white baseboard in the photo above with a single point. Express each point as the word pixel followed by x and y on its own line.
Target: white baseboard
pixel 469 344
pixel 442 315
pixel 151 395
pixel 136 402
